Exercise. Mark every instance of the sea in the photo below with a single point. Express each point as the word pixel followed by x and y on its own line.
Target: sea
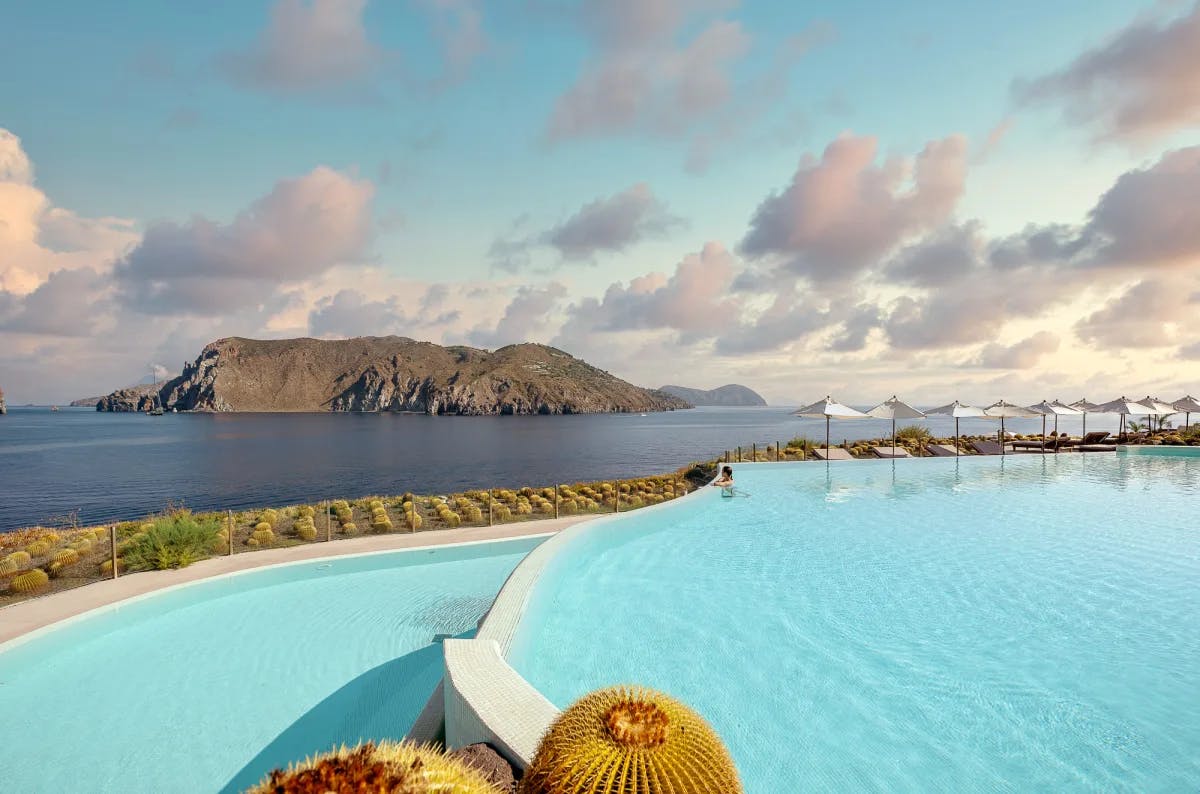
pixel 92 467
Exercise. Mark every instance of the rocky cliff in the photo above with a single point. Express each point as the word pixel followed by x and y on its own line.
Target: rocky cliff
pixel 131 398
pixel 392 374
pixel 3 405
pixel 729 395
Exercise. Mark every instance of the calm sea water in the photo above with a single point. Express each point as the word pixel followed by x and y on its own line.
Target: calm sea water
pixel 121 466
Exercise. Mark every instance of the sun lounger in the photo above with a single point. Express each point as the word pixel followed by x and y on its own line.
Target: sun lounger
pixel 1038 445
pixel 834 453
pixel 940 450
pixel 986 447
pixel 1097 447
pixel 890 452
pixel 1096 437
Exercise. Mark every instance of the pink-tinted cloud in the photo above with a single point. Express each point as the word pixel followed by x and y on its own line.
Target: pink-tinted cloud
pixel 1024 354
pixel 1143 83
pixel 308 45
pixel 842 213
pixel 1152 313
pixel 302 228
pixel 640 77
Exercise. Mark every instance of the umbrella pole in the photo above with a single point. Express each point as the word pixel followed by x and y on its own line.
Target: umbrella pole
pixel 1002 435
pixel 1056 434
pixel 956 436
pixel 827 436
pixel 1043 432
pixel 1084 427
pixel 893 436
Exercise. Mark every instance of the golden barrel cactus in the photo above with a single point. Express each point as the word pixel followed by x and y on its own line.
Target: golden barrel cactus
pixel 626 740
pixel 387 767
pixel 29 581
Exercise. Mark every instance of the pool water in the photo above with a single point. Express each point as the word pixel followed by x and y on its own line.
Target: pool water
pixel 208 687
pixel 979 624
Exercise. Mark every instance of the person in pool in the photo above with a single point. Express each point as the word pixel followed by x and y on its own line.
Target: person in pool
pixel 725 481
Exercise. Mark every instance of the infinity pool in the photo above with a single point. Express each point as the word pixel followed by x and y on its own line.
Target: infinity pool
pixel 210 686
pixel 979 624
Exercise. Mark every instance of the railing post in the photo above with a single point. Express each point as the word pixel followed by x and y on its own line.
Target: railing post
pixel 754 452
pixel 112 539
pixel 328 521
pixel 616 497
pixel 229 519
pixel 556 500
pixel 778 449
pixel 739 453
pixel 491 498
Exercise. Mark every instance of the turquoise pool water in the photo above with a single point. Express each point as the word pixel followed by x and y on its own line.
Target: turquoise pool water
pixel 210 686
pixel 1029 623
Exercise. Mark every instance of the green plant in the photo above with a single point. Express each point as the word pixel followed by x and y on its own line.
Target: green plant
pixel 8 567
pixel 802 443
pixel 19 558
pixel 171 542
pixel 630 741
pixel 262 526
pixel 914 434
pixel 349 528
pixel 262 537
pixel 396 768
pixel 29 581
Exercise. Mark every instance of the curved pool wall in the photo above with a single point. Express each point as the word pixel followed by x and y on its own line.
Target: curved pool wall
pixel 210 684
pixel 488 700
pixel 485 699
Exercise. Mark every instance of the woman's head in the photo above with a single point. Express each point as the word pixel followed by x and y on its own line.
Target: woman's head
pixel 727 471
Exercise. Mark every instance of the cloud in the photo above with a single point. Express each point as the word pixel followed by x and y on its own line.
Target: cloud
pixel 693 300
pixel 606 225
pixel 1022 355
pixel 856 328
pixel 842 213
pixel 351 313
pixel 65 304
pixel 308 45
pixel 1149 314
pixel 524 318
pixel 639 76
pixel 1139 85
pixel 458 24
pixel 302 228
pixel 38 238
pixel 611 224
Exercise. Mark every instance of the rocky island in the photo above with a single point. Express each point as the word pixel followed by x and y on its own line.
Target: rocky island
pixel 390 373
pixel 729 395
pixel 3 406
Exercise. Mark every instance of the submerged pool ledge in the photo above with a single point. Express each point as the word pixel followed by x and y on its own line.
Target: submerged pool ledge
pixel 26 619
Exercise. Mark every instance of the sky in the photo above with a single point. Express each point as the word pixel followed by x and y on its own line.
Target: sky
pixel 937 200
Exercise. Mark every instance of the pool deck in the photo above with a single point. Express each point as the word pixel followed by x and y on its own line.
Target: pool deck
pixel 26 616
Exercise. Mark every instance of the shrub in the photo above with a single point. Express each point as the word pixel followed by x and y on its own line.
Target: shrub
pixel 621 740
pixel 65 558
pixel 307 532
pixel 306 512
pixel 37 548
pixel 29 581
pixel 915 434
pixel 19 558
pixel 389 766
pixel 262 537
pixel 382 525
pixel 171 542
pixel 474 515
pixel 803 443
pixel 8 567
pixel 252 542
pixel 269 517
pixel 349 528
pixel 83 546
pixel 106 566
pixel 262 526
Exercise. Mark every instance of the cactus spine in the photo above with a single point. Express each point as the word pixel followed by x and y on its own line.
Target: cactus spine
pixel 626 740
pixel 404 768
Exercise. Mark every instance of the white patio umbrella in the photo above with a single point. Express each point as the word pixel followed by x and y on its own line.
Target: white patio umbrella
pixel 958 411
pixel 1002 410
pixel 894 409
pixel 1188 406
pixel 1125 407
pixel 1056 409
pixel 1161 409
pixel 1084 407
pixel 830 409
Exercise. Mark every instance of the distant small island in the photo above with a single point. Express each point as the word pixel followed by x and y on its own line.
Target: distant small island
pixel 389 373
pixel 729 395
